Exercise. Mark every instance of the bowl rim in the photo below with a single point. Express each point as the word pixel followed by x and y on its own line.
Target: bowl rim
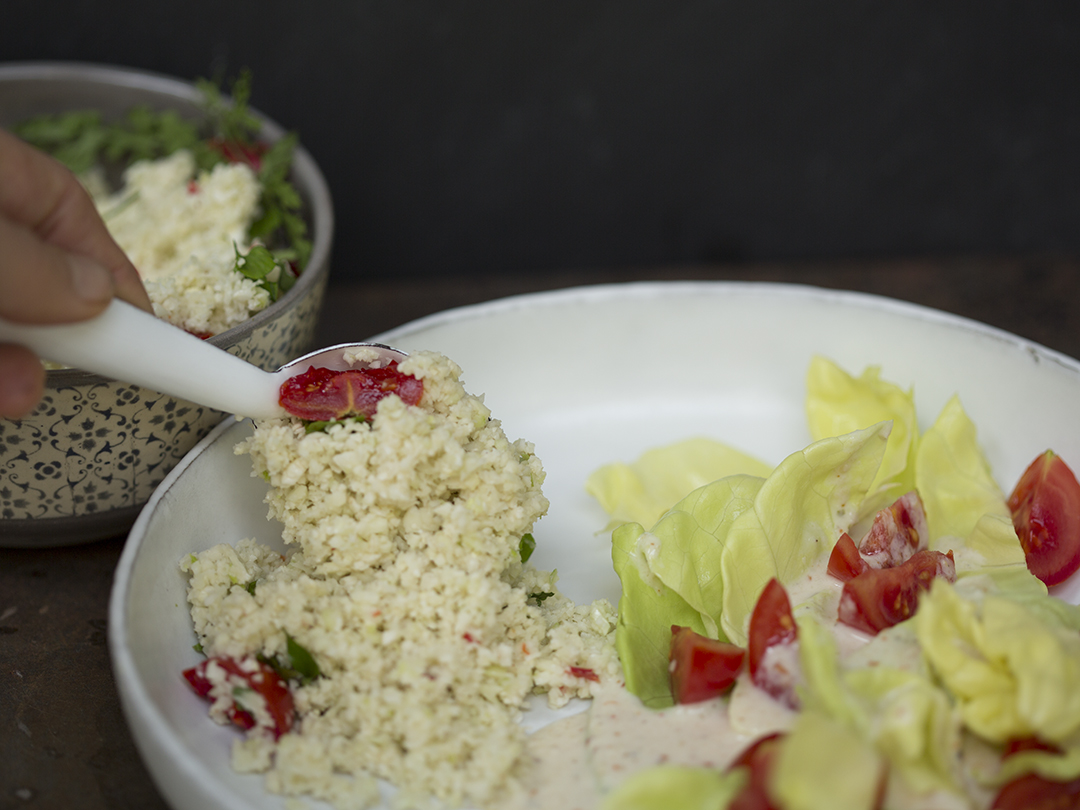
pixel 309 177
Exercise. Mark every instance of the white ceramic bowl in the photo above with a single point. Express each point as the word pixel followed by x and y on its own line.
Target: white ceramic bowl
pixel 84 463
pixel 591 376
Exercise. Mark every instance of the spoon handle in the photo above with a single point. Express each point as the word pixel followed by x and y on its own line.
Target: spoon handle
pixel 128 344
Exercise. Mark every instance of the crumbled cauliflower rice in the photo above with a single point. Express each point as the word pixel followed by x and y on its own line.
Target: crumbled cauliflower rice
pixel 178 226
pixel 404 582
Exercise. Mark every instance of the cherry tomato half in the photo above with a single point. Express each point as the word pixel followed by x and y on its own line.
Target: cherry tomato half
pixel 881 597
pixel 701 667
pixel 1045 508
pixel 322 394
pixel 898 531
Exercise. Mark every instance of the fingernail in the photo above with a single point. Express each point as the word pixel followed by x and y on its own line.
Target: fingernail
pixel 91 281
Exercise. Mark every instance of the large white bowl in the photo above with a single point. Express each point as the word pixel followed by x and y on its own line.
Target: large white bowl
pixel 590 375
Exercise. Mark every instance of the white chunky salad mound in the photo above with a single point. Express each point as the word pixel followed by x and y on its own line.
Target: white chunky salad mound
pixel 403 632
pixel 182 227
pixel 861 623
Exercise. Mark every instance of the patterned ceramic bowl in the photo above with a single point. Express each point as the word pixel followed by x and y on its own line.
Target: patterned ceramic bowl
pixel 82 465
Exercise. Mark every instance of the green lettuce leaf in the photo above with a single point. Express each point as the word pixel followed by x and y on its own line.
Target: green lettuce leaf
pixel 838 403
pixel 954 478
pixel 900 712
pixel 647 609
pixel 826 765
pixel 673 787
pixel 705 562
pixel 643 491
pixel 802 508
pixel 1012 669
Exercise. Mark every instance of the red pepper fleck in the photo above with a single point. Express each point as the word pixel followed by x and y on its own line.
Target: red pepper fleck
pixel 583 672
pixel 192 187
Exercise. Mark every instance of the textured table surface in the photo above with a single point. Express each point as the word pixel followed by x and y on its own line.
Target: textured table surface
pixel 63 740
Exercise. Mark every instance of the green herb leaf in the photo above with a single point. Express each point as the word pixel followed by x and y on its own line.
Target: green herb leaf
pixel 540 597
pixel 263 267
pixel 302 660
pixel 250 587
pixel 526 547
pixel 301 667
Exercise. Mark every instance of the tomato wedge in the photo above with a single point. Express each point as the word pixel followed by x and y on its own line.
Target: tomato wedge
pixel 772 653
pixel 701 667
pixel 845 562
pixel 249 674
pixel 898 532
pixel 758 758
pixel 323 394
pixel 881 597
pixel 1045 507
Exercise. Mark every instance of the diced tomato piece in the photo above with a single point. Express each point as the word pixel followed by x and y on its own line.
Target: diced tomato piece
pixel 881 597
pixel 898 532
pixel 771 650
pixel 1033 792
pixel 759 758
pixel 1045 508
pixel 261 679
pixel 701 667
pixel 322 394
pixel 845 562
pixel 584 672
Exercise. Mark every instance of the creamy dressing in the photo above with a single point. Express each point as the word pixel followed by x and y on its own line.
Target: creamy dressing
pixel 571 763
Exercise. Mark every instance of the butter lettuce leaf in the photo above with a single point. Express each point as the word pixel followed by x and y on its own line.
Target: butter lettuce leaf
pixel 643 491
pixel 687 556
pixel 838 403
pixel 1012 669
pixel 674 787
pixel 823 764
pixel 647 610
pixel 706 561
pixel 802 508
pixel 901 713
pixel 954 478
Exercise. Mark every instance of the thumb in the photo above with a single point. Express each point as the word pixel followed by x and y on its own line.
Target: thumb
pixel 44 284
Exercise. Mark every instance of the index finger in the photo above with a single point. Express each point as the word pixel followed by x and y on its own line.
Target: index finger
pixel 42 195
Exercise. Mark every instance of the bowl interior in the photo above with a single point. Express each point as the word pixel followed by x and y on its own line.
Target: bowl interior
pixel 591 376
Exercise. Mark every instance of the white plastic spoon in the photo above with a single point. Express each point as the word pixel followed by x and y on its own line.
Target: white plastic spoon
pixel 128 344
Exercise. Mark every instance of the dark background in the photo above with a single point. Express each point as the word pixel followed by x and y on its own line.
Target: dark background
pixel 526 137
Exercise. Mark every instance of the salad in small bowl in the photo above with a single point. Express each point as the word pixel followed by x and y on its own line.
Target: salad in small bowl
pixel 230 223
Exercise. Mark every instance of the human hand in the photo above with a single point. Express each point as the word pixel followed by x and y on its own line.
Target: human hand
pixel 58 263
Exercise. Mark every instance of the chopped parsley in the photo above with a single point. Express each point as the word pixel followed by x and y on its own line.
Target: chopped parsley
pixel 540 597
pixel 301 666
pixel 266 269
pixel 526 547
pixel 83 139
